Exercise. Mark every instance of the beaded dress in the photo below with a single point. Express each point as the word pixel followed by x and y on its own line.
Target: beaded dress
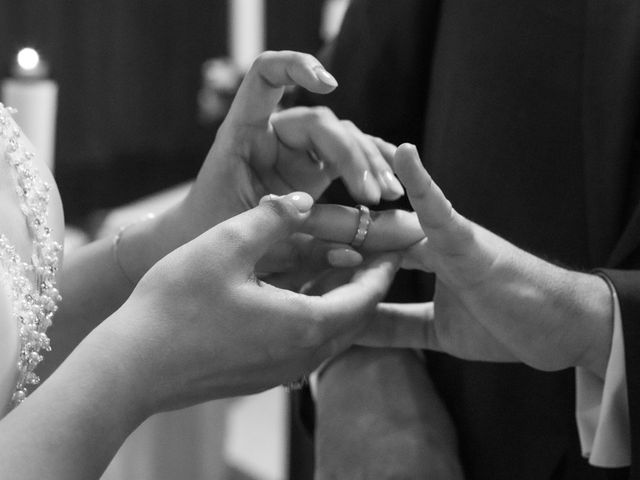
pixel 30 282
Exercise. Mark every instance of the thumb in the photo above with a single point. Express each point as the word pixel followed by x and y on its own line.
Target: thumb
pixel 264 83
pixel 247 237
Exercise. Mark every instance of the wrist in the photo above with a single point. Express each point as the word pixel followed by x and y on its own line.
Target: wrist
pixel 75 421
pixel 139 245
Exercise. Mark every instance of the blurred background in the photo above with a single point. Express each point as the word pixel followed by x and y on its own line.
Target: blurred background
pixel 124 101
pixel 129 73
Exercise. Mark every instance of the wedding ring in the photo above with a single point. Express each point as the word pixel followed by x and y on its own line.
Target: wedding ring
pixel 364 222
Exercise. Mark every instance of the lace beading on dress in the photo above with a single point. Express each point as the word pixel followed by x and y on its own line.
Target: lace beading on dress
pixel 32 283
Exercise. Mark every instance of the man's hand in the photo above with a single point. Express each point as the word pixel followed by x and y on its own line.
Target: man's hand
pixel 493 301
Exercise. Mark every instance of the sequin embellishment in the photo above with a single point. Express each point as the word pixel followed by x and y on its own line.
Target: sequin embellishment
pixel 32 283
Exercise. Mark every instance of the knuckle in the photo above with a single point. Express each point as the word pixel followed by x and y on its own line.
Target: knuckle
pixel 308 58
pixel 280 208
pixel 321 114
pixel 263 59
pixel 349 125
pixel 310 330
pixel 233 237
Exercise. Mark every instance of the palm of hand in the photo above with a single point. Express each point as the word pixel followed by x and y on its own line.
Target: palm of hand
pixel 483 304
pixel 457 331
pixel 489 305
pixel 260 161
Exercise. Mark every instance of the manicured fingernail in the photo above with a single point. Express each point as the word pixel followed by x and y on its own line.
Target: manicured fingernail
pixel 370 187
pixel 325 77
pixel 343 258
pixel 302 201
pixel 382 181
pixel 393 183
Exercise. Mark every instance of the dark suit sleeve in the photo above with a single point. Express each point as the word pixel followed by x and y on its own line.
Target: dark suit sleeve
pixel 627 285
pixel 380 59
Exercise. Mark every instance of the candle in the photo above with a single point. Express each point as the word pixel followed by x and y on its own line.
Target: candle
pixel 246 31
pixel 36 99
pixel 332 14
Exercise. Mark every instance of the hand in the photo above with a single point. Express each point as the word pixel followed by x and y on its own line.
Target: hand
pixel 493 301
pixel 200 325
pixel 257 151
pixel 301 258
pixel 304 257
pixel 379 416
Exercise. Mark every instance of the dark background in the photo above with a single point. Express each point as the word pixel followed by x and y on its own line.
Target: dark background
pixel 128 73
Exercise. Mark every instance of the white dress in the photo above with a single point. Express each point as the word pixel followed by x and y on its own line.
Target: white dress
pixel 30 253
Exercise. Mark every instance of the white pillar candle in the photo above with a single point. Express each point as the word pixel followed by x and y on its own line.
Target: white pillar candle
pixel 332 14
pixel 36 99
pixel 246 31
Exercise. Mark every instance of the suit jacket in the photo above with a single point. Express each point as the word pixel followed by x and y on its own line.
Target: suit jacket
pixel 526 114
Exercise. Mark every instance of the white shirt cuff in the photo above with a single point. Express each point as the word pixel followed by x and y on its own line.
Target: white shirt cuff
pixel 602 407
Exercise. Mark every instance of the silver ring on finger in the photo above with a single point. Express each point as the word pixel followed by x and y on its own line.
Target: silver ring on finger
pixel 362 229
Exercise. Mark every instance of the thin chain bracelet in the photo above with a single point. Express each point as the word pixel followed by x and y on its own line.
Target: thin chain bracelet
pixel 116 243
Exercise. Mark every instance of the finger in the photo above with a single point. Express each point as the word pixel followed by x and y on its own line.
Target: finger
pixel 426 198
pixel 345 309
pixel 445 228
pixel 388 230
pixel 387 149
pixel 401 325
pixel 417 257
pixel 333 146
pixel 327 281
pixel 302 251
pixel 389 185
pixel 324 325
pixel 247 237
pixel 264 83
pixel 299 169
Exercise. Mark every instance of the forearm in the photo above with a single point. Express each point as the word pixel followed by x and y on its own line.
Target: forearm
pixel 379 416
pixel 71 427
pixel 93 284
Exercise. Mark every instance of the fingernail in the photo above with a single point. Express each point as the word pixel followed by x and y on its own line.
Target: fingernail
pixel 302 201
pixel 370 187
pixel 393 183
pixel 344 257
pixel 325 77
pixel 382 181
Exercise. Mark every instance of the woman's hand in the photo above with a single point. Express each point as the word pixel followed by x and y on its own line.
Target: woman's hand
pixel 493 301
pixel 259 151
pixel 329 229
pixel 200 325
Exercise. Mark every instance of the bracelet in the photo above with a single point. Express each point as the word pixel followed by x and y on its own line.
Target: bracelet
pixel 116 243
